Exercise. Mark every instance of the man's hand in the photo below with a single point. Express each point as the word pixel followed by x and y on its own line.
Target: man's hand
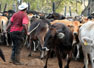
pixel 28 33
pixel 5 31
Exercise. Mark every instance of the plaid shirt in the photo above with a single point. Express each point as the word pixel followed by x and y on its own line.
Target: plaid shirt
pixel 18 19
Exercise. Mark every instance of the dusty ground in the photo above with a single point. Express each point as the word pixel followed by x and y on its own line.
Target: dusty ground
pixel 34 61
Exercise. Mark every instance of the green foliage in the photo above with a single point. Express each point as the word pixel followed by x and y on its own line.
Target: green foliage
pixel 46 5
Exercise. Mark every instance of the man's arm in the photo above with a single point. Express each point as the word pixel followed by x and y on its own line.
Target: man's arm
pixel 25 24
pixel 9 25
pixel 25 28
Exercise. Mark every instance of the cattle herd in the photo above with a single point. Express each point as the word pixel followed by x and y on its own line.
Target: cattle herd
pixel 65 37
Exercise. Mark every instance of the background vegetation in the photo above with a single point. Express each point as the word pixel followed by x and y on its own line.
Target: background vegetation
pixel 46 5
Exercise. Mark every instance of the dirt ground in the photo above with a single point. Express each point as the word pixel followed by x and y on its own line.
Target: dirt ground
pixel 34 61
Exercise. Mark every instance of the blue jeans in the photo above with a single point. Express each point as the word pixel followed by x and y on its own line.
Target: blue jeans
pixel 18 40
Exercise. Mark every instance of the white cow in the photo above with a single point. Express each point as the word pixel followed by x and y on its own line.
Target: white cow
pixel 86 38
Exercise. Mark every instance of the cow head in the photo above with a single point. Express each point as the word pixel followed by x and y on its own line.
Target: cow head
pixel 30 16
pixel 57 32
pixel 8 13
pixel 76 25
pixel 71 27
pixel 84 19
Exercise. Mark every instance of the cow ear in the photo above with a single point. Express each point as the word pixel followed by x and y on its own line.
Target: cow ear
pixel 53 31
pixel 80 25
pixel 51 28
pixel 70 25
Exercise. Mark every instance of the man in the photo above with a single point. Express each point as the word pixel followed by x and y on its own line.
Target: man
pixel 18 29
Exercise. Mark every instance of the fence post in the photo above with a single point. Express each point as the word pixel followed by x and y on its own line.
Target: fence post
pixel 84 4
pixel 28 6
pixel 14 6
pixel 65 10
pixel 0 7
pixel 53 7
pixel 76 6
pixel 70 10
pixel 5 7
pixel 19 2
pixel 89 11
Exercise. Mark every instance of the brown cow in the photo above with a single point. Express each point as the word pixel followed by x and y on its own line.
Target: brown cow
pixel 74 24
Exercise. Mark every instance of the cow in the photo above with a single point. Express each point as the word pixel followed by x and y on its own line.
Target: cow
pixel 59 39
pixel 38 30
pixel 8 13
pixel 86 39
pixel 73 26
pixel 32 18
pixel 3 25
pixel 55 16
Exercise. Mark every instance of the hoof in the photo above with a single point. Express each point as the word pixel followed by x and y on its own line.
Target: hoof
pixel 66 67
pixel 29 55
pixel 45 66
pixel 41 58
pixel 35 50
pixel 84 66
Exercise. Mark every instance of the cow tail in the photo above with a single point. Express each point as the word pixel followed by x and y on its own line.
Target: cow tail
pixel 2 55
pixel 2 26
pixel 87 40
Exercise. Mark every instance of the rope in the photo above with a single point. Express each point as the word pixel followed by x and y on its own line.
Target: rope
pixel 34 28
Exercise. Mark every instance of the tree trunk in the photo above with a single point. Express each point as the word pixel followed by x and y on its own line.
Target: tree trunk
pixel 89 9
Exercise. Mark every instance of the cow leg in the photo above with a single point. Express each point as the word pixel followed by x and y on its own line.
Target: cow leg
pixel 85 59
pixel 30 42
pixel 26 41
pixel 42 43
pixel 42 54
pixel 34 45
pixel 48 54
pixel 6 39
pixel 69 59
pixel 30 52
pixel 37 45
pixel 92 59
pixel 77 56
pixel 59 58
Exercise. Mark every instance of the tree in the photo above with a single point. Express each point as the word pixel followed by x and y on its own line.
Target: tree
pixel 89 9
pixel 46 5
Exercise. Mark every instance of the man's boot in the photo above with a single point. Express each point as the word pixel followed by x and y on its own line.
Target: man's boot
pixel 10 61
pixel 17 60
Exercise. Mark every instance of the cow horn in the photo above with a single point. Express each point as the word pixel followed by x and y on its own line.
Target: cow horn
pixel 60 35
